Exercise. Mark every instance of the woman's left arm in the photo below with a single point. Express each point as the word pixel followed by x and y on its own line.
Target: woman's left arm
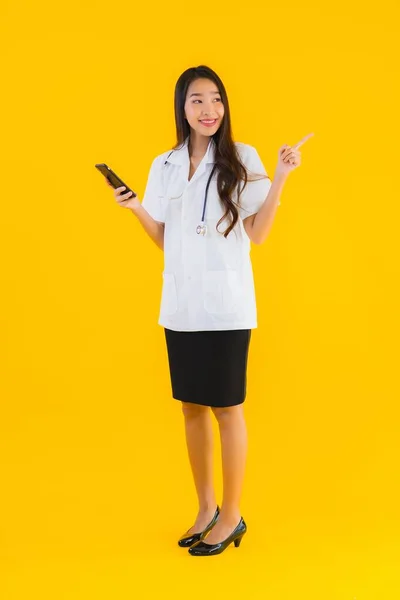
pixel 258 226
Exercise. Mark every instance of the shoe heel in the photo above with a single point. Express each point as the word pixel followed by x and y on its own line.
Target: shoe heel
pixel 237 541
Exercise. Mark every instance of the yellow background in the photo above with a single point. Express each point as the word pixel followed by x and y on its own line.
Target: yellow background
pixel 96 484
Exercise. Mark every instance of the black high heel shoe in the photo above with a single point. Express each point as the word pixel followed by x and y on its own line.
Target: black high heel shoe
pixel 203 549
pixel 187 540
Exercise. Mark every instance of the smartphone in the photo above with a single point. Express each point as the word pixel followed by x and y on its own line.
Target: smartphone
pixel 113 178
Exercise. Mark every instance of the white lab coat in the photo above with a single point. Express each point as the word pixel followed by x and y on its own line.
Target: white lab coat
pixel 207 280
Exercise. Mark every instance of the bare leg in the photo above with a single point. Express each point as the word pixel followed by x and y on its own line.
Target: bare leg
pixel 199 440
pixel 233 434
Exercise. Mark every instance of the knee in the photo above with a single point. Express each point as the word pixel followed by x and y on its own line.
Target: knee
pixel 192 410
pixel 225 414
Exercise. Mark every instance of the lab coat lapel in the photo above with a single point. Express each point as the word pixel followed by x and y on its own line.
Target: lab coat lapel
pixel 181 158
pixel 208 158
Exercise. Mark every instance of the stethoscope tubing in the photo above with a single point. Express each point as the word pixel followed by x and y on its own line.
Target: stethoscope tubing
pixel 202 228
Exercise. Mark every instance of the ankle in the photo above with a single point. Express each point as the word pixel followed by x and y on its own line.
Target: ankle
pixel 230 515
pixel 208 506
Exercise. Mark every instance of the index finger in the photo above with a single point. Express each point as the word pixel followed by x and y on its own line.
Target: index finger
pixel 301 142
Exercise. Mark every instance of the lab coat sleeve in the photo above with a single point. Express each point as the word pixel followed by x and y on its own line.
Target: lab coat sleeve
pixel 255 192
pixel 153 198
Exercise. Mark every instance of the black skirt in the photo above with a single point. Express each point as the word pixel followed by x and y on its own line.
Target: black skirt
pixel 208 367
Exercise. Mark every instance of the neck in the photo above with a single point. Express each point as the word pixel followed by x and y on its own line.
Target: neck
pixel 198 144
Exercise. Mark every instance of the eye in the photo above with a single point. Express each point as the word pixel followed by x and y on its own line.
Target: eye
pixel 218 99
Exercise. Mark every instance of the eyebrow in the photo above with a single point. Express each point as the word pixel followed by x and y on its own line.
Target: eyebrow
pixel 197 94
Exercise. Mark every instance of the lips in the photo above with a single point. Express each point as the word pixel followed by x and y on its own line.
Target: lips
pixel 208 122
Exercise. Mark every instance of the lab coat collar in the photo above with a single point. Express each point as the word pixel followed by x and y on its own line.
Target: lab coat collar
pixel 181 156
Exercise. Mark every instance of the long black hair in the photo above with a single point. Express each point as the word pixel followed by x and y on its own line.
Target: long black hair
pixel 229 167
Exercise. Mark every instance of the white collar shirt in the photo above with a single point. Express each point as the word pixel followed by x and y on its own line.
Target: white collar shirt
pixel 207 280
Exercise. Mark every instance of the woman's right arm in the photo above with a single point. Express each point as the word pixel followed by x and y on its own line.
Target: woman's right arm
pixel 153 228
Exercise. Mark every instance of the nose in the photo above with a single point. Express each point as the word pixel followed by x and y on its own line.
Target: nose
pixel 208 109
pixel 206 113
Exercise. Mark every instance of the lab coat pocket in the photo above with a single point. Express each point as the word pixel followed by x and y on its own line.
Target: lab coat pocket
pixel 169 298
pixel 221 292
pixel 173 208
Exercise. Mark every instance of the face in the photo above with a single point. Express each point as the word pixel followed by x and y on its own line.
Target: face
pixel 203 103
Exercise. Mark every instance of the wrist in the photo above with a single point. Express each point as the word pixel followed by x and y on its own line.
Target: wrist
pixel 135 208
pixel 280 177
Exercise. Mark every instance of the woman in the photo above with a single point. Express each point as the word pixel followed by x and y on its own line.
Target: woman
pixel 208 306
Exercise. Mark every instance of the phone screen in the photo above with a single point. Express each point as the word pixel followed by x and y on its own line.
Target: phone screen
pixel 113 178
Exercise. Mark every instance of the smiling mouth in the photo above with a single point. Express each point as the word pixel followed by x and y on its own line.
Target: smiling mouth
pixel 208 121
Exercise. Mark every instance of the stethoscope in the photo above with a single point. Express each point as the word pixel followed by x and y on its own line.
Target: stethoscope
pixel 201 229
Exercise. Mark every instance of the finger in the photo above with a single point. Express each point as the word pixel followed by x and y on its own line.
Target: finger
pixel 289 152
pixel 119 190
pixel 285 152
pixel 302 141
pixel 283 148
pixel 291 155
pixel 125 196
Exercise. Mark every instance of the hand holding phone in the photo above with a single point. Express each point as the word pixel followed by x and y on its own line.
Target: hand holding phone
pixel 128 199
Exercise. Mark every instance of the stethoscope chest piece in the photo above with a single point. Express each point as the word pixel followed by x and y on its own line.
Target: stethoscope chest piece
pixel 201 229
